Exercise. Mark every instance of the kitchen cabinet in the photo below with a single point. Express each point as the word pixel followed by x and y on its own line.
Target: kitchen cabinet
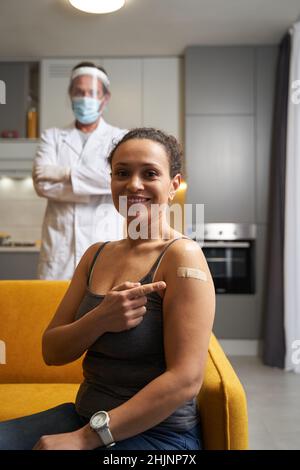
pixel 228 127
pixel 16 157
pixel 16 153
pixel 125 108
pixel 18 263
pixel 220 166
pixel 220 132
pixel 219 80
pixel 13 112
pixel 17 79
pixel 21 92
pixel 229 108
pixel 163 95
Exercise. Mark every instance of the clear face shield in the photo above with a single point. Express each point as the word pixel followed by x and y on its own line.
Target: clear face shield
pixel 86 86
pixel 87 90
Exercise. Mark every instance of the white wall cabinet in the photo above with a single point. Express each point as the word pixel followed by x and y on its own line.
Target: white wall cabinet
pixel 125 107
pixel 163 95
pixel 16 157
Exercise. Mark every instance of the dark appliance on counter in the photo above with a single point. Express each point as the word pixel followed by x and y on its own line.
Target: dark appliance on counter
pixel 230 253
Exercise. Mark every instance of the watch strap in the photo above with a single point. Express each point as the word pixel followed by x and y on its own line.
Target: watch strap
pixel 106 436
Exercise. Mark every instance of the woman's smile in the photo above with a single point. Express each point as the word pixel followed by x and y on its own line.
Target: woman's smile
pixel 137 200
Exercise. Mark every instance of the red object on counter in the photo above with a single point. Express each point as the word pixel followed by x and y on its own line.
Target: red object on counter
pixel 10 134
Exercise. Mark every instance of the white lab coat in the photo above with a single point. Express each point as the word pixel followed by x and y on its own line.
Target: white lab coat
pixel 79 213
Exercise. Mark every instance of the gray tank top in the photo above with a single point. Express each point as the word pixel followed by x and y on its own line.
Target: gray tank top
pixel 118 365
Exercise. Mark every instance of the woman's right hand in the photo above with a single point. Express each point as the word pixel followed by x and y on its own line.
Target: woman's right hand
pixel 124 306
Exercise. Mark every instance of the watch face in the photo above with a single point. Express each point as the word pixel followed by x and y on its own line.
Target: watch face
pixel 98 420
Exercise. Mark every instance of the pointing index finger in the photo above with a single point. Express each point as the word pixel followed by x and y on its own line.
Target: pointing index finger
pixel 146 289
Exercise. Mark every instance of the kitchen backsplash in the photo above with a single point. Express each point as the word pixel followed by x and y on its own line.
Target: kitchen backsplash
pixel 21 210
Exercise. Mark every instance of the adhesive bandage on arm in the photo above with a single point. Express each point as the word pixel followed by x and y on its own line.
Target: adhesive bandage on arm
pixel 191 272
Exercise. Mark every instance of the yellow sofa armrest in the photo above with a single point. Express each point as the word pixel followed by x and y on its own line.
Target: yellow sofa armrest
pixel 222 404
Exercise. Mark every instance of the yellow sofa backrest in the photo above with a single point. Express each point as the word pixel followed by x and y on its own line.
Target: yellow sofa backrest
pixel 26 308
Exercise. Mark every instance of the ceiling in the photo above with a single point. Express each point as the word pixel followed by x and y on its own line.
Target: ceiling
pixel 52 28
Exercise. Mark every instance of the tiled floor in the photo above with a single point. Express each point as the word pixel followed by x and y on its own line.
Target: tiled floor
pixel 273 404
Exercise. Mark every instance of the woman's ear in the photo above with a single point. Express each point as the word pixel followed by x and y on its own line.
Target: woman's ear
pixel 175 183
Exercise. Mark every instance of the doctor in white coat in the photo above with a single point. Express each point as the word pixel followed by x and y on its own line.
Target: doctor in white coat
pixel 71 171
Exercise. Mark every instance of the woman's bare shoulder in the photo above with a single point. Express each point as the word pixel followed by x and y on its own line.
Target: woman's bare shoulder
pixel 185 247
pixel 89 255
pixel 184 253
pixel 91 252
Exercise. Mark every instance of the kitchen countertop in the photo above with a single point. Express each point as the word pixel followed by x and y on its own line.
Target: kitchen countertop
pixel 18 249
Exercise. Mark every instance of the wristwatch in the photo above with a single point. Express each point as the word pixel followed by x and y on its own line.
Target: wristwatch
pixel 99 422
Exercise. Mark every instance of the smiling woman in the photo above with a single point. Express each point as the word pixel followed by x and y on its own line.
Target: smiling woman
pixel 144 327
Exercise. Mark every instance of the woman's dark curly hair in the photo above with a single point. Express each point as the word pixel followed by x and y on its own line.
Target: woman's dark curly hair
pixel 170 144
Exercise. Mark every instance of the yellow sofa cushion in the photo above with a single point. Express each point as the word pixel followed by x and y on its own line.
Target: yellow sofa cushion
pixel 18 400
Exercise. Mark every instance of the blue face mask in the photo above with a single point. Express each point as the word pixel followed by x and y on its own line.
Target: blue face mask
pixel 86 109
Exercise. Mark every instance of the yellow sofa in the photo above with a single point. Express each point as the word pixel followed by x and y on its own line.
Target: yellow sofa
pixel 28 386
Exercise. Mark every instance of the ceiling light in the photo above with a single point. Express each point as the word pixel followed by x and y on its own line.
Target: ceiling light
pixel 97 6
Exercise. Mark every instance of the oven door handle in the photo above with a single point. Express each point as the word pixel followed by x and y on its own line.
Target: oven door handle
pixel 224 244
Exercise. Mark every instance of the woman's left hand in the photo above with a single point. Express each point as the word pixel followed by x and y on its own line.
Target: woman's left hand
pixel 77 440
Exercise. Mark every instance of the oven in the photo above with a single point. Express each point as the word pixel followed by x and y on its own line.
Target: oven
pixel 230 253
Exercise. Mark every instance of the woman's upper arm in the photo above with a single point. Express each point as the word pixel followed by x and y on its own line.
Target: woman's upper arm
pixel 189 307
pixel 67 308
